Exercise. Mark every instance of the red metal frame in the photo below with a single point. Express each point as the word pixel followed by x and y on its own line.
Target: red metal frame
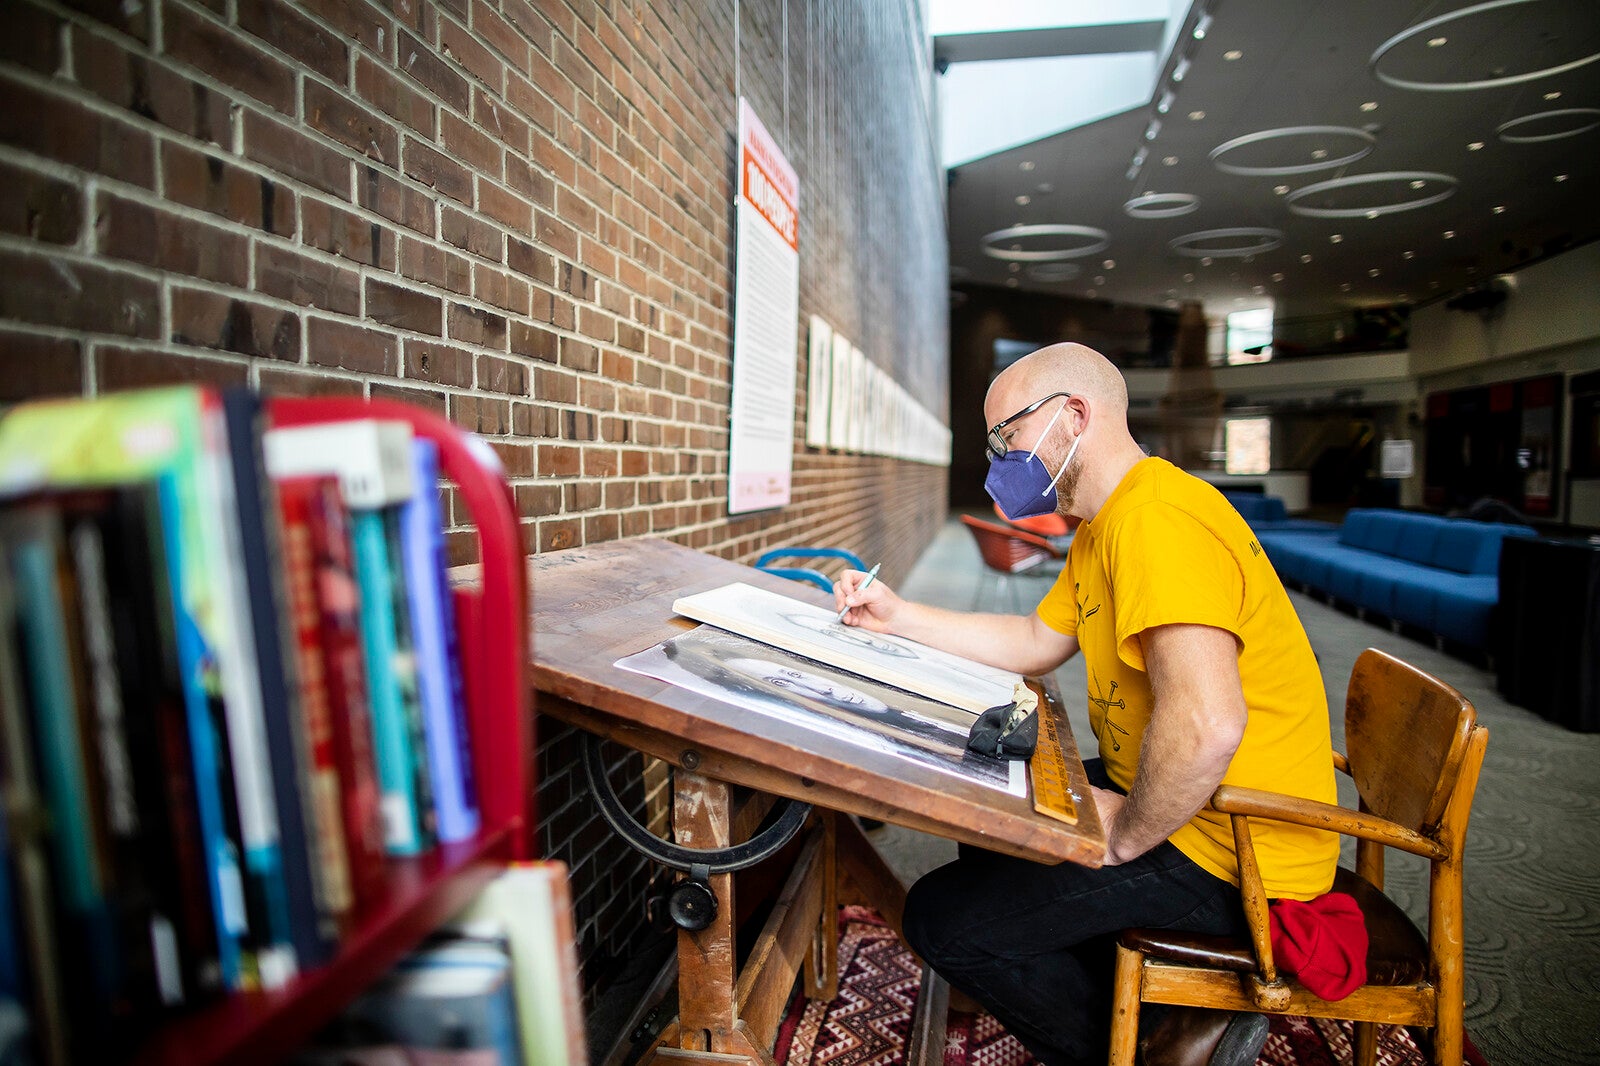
pixel 423 892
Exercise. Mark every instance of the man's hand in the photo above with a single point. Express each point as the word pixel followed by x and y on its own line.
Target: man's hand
pixel 872 608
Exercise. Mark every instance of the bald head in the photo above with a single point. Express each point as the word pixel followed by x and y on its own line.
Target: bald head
pixel 1072 368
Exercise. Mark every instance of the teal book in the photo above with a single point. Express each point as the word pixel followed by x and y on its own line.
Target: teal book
pixel 394 751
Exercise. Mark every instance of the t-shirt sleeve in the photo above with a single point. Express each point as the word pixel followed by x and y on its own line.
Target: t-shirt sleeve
pixel 1167 568
pixel 1057 610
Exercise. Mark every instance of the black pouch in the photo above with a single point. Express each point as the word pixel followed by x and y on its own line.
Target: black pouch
pixel 1004 733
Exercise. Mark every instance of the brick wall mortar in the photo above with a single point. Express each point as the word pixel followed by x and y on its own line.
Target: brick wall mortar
pixel 518 213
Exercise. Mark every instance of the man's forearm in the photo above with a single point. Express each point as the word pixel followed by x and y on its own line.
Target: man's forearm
pixel 1181 763
pixel 1007 641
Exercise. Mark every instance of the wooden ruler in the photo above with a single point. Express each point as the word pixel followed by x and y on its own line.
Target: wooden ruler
pixel 1048 768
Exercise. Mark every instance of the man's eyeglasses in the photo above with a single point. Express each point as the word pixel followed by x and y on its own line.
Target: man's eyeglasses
pixel 997 440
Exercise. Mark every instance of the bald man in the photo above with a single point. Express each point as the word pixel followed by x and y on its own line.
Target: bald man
pixel 1199 673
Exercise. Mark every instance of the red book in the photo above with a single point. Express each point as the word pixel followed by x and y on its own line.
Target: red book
pixel 320 789
pixel 338 637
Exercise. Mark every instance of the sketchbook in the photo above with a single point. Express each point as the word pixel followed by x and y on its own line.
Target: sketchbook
pixel 817 634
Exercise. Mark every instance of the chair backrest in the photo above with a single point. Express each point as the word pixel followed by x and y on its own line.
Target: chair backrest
pixel 1008 550
pixel 1044 525
pixel 1406 736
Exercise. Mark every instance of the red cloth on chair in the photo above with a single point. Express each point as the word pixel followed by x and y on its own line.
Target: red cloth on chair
pixel 1321 941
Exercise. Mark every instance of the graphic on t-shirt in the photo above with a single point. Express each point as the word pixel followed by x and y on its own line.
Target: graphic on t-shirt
pixel 1105 703
pixel 1083 615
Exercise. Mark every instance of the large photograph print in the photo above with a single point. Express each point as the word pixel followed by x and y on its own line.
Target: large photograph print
pixel 831 702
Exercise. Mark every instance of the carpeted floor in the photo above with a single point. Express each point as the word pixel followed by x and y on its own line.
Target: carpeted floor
pixel 868 1022
pixel 1533 848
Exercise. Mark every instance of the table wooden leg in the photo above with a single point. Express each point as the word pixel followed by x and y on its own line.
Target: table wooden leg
pixel 822 961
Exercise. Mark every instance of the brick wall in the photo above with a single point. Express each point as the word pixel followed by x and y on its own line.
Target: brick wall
pixel 517 212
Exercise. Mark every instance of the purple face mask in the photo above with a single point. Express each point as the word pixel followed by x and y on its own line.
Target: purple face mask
pixel 1021 485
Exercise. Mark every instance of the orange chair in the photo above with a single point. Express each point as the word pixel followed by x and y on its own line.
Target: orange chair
pixel 1050 526
pixel 1007 552
pixel 1415 749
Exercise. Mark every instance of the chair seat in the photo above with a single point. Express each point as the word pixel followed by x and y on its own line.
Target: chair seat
pixel 1397 954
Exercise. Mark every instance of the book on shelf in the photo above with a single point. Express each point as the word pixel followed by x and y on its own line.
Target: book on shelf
pixel 218 668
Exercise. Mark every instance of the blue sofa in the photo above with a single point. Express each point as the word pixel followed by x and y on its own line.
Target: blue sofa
pixel 1269 513
pixel 1438 574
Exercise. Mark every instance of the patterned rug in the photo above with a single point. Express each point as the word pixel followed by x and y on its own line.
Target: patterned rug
pixel 867 1024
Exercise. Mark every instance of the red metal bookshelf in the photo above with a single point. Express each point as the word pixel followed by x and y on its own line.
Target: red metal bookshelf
pixel 263 1027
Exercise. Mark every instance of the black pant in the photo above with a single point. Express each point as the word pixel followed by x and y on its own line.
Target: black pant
pixel 1036 944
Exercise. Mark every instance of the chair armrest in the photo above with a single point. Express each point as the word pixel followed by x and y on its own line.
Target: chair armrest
pixel 1232 799
pixel 1341 763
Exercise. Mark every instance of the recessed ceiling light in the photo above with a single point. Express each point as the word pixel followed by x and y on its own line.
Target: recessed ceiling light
pixel 1344 286
pixel 1099 279
pixel 1372 214
pixel 1152 130
pixel 1024 200
pixel 1305 258
pixel 1405 296
pixel 1205 260
pixel 1335 238
pixel 1165 104
pixel 1499 209
pixel 1319 153
pixel 1258 289
pixel 1374 272
pixel 1418 184
pixel 1433 284
pixel 1196 116
pixel 1553 96
pixel 1169 160
pixel 1474 146
pixel 1016 247
pixel 1181 69
pixel 1438 42
pixel 1562 177
pixel 1011 283
pixel 1277 277
pixel 1202 26
pixel 1449 233
pixel 1188 277
pixel 1109 264
pixel 1370 105
pixel 1014 267
pixel 1232 54
pixel 1408 255
pixel 1280 189
pixel 1026 164
pixel 1090 294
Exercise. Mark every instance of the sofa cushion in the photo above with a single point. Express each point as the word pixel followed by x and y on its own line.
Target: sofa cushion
pixel 1468 547
pixel 1357 530
pixel 1463 604
pixel 1419 537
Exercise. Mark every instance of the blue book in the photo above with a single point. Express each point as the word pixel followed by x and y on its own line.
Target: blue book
pixel 438 671
pixel 223 877
pixel 391 735
pixel 450 996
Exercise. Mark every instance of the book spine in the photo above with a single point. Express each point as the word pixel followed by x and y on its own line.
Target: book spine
pixel 24 804
pixel 402 832
pixel 421 534
pixel 312 930
pixel 223 879
pixel 330 855
pixel 239 671
pixel 339 604
pixel 405 672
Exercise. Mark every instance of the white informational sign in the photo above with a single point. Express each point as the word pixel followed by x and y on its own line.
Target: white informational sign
pixel 819 381
pixel 839 409
pixel 766 307
pixel 1397 458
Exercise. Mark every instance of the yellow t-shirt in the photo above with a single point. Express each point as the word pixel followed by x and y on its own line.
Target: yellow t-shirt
pixel 1168 548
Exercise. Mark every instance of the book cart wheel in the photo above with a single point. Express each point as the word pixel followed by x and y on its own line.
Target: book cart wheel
pixel 691 904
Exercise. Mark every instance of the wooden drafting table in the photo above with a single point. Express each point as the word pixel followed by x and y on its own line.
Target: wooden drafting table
pixel 592 606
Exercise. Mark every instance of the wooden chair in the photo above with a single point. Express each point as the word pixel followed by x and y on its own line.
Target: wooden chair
pixel 1415 750
pixel 1007 552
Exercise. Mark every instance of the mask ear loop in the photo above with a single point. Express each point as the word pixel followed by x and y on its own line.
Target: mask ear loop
pixel 1070 451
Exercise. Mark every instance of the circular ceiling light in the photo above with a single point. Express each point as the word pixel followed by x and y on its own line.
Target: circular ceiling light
pixel 1098 239
pixel 1583 120
pixel 1416 179
pixel 1422 29
pixel 1054 271
pixel 1364 141
pixel 1162 205
pixel 1223 243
